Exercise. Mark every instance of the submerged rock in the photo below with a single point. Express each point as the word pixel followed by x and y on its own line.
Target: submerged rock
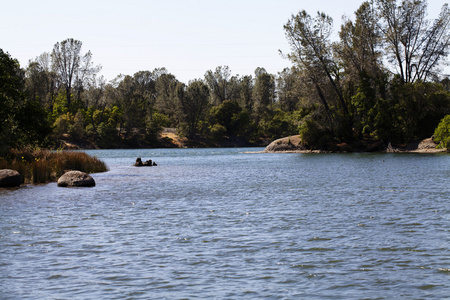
pixel 76 179
pixel 10 178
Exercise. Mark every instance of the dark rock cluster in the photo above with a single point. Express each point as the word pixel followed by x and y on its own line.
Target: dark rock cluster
pixel 140 163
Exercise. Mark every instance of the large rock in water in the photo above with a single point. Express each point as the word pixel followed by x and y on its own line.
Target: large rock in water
pixel 286 144
pixel 76 178
pixel 9 178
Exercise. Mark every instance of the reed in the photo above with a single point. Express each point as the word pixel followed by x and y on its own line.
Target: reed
pixel 41 166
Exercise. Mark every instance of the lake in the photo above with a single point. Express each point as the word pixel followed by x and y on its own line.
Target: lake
pixel 228 224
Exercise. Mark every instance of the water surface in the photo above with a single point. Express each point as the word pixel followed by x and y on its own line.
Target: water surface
pixel 222 223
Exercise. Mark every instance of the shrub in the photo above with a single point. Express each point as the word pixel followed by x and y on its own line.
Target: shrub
pixel 40 166
pixel 442 133
pixel 218 131
pixel 314 135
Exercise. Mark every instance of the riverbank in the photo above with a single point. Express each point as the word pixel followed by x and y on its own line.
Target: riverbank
pixel 168 138
pixel 292 144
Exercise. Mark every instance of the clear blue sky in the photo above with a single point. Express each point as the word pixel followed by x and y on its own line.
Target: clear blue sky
pixel 188 37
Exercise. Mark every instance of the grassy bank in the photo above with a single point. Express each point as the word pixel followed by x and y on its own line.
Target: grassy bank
pixel 41 166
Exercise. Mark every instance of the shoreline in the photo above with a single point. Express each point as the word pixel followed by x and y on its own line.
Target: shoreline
pixel 293 144
pixel 418 151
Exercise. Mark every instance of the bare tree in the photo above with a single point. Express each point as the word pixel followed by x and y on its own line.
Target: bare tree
pixel 71 67
pixel 414 44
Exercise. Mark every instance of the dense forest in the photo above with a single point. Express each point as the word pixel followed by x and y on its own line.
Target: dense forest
pixel 381 82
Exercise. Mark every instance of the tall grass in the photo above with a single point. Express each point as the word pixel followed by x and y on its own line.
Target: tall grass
pixel 40 166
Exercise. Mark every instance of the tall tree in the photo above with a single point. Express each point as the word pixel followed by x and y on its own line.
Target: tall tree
pixel 193 103
pixel 166 100
pixel 309 39
pixel 221 84
pixel 22 121
pixel 414 44
pixel 40 80
pixel 263 92
pixel 71 66
pixel 360 43
pixel 245 89
pixel 136 97
pixel 288 91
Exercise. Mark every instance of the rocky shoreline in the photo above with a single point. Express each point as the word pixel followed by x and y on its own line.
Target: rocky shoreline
pixel 292 144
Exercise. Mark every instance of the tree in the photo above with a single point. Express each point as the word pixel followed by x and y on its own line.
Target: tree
pixel 442 133
pixel 136 98
pixel 245 89
pixel 309 39
pixel 40 80
pixel 166 100
pixel 288 90
pixel 360 43
pixel 263 92
pixel 11 96
pixel 71 66
pixel 221 84
pixel 193 101
pixel 22 121
pixel 414 45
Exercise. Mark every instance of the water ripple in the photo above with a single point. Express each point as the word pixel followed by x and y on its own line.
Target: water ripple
pixel 218 223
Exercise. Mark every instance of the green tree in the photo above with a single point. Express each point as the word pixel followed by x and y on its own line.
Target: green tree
pixel 221 85
pixel 40 81
pixel 135 96
pixel 166 99
pixel 442 133
pixel 22 121
pixel 289 91
pixel 11 96
pixel 193 101
pixel 228 115
pixel 263 93
pixel 312 53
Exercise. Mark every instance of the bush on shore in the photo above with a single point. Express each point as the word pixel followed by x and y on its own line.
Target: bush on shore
pixel 442 133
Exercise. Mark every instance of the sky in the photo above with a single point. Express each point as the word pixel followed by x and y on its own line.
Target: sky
pixel 187 37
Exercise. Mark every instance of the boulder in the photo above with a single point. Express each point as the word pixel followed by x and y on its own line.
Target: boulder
pixel 148 163
pixel 76 178
pixel 138 162
pixel 10 178
pixel 286 144
pixel 427 144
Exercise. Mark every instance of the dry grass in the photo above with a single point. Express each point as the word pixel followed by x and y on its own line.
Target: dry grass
pixel 40 166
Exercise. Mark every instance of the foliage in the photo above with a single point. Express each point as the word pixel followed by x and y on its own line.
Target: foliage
pixel 22 121
pixel 374 82
pixel 217 132
pixel 40 166
pixel 380 82
pixel 442 133
pixel 193 101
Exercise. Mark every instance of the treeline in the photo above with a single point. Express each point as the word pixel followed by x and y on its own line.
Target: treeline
pixel 380 82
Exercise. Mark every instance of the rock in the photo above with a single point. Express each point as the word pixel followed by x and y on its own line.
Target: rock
pixel 76 178
pixel 286 144
pixel 148 163
pixel 10 178
pixel 427 144
pixel 138 162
